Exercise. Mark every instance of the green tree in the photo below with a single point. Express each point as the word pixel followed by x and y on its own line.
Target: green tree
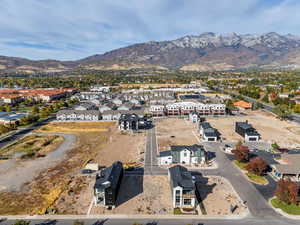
pixel 7 108
pixel 35 109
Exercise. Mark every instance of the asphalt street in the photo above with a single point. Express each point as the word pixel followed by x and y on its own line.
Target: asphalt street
pixel 261 213
pixel 22 132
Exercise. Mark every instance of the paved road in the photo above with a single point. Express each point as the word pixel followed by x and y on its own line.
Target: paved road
pixel 12 177
pixel 22 132
pixel 261 212
pixel 151 165
pixel 156 221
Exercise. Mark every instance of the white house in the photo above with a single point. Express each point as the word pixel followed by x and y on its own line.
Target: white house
pixel 183 154
pixel 182 188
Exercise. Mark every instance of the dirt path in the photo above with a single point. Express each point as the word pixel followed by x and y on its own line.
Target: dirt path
pixel 14 174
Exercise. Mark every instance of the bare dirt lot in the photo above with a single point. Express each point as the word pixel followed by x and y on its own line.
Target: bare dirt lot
pixel 218 196
pixel 174 131
pixel 284 133
pixel 46 189
pixel 142 195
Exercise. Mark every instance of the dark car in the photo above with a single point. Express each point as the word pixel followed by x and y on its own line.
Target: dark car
pixel 86 171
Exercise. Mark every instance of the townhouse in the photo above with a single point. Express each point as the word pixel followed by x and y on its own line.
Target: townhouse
pixel 78 115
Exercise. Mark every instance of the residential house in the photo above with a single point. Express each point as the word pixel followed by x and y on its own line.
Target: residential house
pixel 132 121
pixel 247 131
pixel 86 106
pixel 243 105
pixel 107 185
pixel 208 133
pixel 182 188
pixel 290 168
pixel 183 154
pixel 117 101
pixel 194 117
pixel 78 115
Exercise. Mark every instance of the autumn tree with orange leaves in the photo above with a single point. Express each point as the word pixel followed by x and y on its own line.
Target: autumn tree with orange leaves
pixel 287 191
pixel 257 166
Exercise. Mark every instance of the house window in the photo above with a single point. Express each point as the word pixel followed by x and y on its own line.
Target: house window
pixel 177 197
pixel 187 201
pixel 185 154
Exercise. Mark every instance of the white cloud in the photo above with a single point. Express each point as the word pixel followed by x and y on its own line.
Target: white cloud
pixel 72 29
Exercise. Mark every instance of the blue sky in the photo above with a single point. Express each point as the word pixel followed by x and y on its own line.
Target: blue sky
pixel 73 29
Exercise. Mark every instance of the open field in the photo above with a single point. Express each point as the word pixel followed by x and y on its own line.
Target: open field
pixel 174 131
pixel 125 147
pixel 142 195
pixel 218 196
pixel 42 193
pixel 284 133
pixel 32 146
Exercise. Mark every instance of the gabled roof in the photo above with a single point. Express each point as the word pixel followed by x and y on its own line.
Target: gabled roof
pixel 188 147
pixel 181 177
pixel 109 176
pixel 243 104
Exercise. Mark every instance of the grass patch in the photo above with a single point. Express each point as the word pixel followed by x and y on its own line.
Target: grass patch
pixel 290 209
pixel 252 177
pixel 257 179
pixel 177 211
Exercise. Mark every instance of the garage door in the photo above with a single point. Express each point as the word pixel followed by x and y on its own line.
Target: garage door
pixel 252 139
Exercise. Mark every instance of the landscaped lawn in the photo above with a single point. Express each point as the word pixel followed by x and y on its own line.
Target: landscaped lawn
pixel 290 209
pixel 252 177
pixel 257 179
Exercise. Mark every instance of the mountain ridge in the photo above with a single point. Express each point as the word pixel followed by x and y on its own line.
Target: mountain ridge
pixel 208 50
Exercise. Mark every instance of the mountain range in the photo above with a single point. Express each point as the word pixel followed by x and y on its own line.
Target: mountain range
pixel 204 52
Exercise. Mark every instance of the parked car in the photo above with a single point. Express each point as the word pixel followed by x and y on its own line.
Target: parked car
pixel 228 148
pixel 86 171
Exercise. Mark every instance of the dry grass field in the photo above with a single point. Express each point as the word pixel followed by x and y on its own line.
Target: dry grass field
pixel 32 146
pixel 174 131
pixel 284 133
pixel 45 190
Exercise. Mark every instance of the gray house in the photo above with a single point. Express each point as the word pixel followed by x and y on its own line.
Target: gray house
pixel 208 133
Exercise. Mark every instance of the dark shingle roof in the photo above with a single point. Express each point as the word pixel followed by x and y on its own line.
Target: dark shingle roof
pixel 189 147
pixel 110 175
pixel 180 176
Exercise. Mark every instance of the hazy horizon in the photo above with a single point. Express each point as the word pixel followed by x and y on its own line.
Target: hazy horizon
pixel 74 29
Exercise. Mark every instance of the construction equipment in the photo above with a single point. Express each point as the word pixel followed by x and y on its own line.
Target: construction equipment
pixel 130 165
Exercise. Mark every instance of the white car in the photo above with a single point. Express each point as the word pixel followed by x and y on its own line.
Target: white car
pixel 228 148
